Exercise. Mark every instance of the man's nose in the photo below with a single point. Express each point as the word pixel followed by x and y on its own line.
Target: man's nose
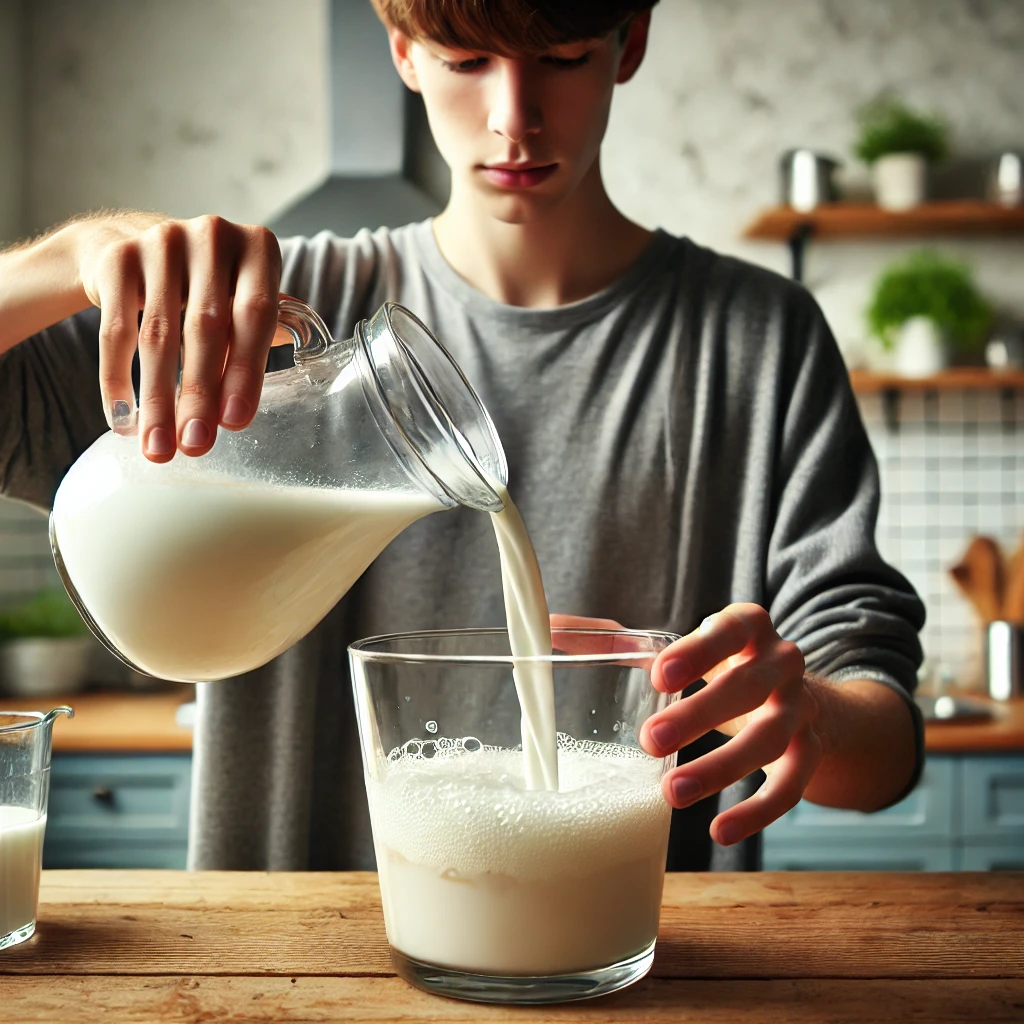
pixel 514 110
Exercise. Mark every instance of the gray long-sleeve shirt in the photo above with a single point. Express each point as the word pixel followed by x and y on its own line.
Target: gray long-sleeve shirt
pixel 685 438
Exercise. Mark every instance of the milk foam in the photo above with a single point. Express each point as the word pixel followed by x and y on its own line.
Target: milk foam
pixel 21 855
pixel 468 810
pixel 481 874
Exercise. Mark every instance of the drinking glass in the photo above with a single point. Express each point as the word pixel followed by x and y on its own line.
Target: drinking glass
pixel 25 744
pixel 491 891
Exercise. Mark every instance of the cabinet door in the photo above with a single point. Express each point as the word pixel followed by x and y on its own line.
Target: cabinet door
pixel 117 811
pixel 994 857
pixel 926 813
pixel 110 854
pixel 993 798
pixel 893 856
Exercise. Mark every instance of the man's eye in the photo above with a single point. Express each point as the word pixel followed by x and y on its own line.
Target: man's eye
pixel 567 62
pixel 463 66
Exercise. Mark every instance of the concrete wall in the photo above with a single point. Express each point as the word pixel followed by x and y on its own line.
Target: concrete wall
pixel 730 84
pixel 13 27
pixel 190 107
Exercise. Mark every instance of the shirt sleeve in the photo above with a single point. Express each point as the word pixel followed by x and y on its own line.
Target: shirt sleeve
pixel 50 407
pixel 853 615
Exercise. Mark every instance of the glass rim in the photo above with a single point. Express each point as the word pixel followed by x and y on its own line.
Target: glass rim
pixel 21 726
pixel 362 648
pixel 42 718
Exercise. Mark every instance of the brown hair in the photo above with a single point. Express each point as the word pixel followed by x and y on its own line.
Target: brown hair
pixel 508 26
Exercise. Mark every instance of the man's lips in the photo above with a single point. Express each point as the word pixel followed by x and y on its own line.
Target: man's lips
pixel 512 177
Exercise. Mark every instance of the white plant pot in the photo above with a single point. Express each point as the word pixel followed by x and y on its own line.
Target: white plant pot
pixel 921 348
pixel 900 180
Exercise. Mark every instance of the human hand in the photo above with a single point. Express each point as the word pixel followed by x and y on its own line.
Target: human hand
pixel 226 278
pixel 757 693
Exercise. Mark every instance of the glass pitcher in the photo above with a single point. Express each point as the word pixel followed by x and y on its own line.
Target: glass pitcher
pixel 205 568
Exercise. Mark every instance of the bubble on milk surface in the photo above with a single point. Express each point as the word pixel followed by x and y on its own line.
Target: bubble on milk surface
pixel 461 805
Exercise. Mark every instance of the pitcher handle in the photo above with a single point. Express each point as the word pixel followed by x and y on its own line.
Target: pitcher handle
pixel 309 333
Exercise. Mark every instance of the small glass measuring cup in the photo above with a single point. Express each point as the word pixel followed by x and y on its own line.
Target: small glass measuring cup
pixel 25 745
pixel 493 892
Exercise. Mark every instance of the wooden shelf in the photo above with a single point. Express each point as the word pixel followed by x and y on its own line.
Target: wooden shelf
pixel 957 378
pixel 864 220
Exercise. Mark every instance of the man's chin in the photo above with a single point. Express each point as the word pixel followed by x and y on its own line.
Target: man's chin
pixel 521 209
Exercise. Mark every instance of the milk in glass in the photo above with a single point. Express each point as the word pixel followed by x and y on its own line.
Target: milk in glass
pixel 21 858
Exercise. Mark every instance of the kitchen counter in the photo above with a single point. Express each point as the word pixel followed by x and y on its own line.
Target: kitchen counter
pixel 125 721
pixel 117 946
pixel 115 721
pixel 1002 733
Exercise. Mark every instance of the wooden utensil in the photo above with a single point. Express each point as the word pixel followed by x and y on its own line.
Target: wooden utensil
pixel 1013 598
pixel 980 574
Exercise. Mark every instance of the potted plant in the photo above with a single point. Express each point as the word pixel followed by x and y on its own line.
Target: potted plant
pixel 45 647
pixel 898 144
pixel 924 306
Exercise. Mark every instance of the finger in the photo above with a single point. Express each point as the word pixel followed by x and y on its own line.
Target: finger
pixel 562 621
pixel 738 690
pixel 163 261
pixel 118 289
pixel 213 246
pixel 253 324
pixel 763 741
pixel 782 790
pixel 570 634
pixel 719 636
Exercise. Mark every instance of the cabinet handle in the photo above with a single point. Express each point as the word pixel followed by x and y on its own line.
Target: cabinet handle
pixel 103 795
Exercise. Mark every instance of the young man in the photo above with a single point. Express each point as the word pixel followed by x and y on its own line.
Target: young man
pixel 680 432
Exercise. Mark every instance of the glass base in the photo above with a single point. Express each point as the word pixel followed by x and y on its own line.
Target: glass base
pixel 18 935
pixel 524 989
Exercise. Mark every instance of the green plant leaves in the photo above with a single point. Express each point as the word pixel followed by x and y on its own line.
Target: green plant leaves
pixel 927 284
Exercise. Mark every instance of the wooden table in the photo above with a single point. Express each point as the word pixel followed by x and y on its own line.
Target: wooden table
pixel 118 946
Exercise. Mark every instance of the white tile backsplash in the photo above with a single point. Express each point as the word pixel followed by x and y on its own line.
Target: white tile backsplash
pixel 953 466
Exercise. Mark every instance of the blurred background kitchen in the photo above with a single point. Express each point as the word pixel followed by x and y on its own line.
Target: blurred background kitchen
pixel 872 149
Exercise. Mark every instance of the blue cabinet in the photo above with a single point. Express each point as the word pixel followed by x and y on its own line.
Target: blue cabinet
pixel 118 811
pixel 966 814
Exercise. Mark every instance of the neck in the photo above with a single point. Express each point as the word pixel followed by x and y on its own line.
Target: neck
pixel 568 254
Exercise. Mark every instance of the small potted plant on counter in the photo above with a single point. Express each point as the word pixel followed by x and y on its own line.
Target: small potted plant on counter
pixel 45 647
pixel 898 144
pixel 924 307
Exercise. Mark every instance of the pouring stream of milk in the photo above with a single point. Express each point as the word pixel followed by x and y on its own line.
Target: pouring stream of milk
pixel 529 633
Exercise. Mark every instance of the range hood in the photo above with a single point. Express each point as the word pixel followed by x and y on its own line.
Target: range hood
pixel 385 169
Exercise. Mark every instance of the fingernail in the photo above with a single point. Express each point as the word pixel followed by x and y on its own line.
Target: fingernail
pixel 159 442
pixel 196 434
pixel 236 412
pixel 665 736
pixel 121 415
pixel 675 674
pixel 684 791
pixel 708 624
pixel 728 834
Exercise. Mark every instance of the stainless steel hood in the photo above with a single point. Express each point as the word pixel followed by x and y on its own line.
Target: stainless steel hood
pixel 385 168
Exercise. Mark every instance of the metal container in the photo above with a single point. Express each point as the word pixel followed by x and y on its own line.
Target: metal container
pixel 807 179
pixel 1004 660
pixel 1006 184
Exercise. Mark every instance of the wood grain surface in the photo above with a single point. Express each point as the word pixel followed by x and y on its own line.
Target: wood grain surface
pixel 115 721
pixel 119 946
